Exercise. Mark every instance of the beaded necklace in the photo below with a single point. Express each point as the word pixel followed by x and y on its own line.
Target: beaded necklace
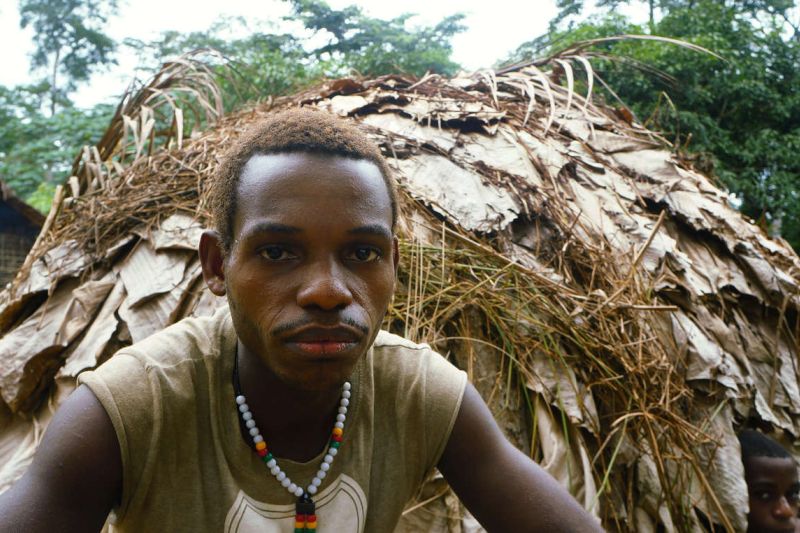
pixel 305 519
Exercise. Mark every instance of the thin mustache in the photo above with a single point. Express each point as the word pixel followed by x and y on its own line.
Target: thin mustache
pixel 297 324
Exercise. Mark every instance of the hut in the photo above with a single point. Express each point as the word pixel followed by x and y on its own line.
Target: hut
pixel 621 319
pixel 19 226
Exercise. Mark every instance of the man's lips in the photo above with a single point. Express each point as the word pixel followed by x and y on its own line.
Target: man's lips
pixel 317 340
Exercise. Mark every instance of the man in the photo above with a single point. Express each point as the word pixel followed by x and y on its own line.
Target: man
pixel 290 411
pixel 772 484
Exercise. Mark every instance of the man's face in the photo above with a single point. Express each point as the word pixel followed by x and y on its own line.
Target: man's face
pixel 773 488
pixel 311 269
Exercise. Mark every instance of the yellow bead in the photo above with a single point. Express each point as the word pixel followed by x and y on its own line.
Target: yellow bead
pixel 337 431
pixel 299 525
pixel 261 445
pixel 311 525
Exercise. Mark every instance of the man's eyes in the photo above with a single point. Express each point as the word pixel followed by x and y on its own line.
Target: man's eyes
pixel 364 254
pixel 276 253
pixel 765 496
pixel 359 254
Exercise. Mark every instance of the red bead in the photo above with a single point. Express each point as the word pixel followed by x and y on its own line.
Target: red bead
pixel 262 453
pixel 336 438
pixel 312 518
pixel 300 517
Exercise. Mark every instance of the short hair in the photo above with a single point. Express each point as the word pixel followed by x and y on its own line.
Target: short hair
pixel 293 130
pixel 756 444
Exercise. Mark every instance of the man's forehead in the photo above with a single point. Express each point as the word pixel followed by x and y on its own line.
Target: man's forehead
pixel 765 469
pixel 300 189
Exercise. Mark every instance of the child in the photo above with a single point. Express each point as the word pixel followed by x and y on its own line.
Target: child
pixel 772 484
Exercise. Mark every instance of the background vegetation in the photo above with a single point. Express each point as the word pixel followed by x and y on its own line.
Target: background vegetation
pixel 736 118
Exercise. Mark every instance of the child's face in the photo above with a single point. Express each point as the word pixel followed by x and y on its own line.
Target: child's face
pixel 773 487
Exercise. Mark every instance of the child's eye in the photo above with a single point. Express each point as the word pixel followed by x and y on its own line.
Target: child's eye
pixel 275 253
pixel 764 496
pixel 364 254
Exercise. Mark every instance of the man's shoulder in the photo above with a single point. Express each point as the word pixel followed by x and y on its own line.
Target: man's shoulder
pixel 386 341
pixel 399 359
pixel 189 339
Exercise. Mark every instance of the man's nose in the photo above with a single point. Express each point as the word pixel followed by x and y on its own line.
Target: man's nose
pixel 325 287
pixel 783 509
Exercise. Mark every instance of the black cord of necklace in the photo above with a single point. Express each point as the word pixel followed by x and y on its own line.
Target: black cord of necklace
pixel 304 505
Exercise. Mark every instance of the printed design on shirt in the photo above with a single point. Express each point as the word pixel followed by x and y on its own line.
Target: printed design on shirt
pixel 341 507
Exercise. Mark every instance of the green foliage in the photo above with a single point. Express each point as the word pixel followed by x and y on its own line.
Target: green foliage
pixel 69 41
pixel 42 197
pixel 256 66
pixel 740 118
pixel 373 46
pixel 35 148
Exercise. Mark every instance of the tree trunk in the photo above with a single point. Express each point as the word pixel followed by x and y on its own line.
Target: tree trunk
pixel 53 86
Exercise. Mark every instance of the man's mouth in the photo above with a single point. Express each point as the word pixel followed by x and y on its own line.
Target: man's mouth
pixel 316 340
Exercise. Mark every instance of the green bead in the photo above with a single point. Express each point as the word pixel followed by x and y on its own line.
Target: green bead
pixel 335 444
pixel 268 458
pixel 299 530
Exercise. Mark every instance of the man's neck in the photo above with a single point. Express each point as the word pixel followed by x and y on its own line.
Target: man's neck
pixel 295 423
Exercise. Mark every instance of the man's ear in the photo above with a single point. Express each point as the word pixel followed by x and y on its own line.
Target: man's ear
pixel 212 259
pixel 395 254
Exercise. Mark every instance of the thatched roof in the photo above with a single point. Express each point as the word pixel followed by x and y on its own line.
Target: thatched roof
pixel 619 316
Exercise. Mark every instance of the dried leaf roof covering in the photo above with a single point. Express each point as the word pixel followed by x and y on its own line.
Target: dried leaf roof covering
pixel 620 318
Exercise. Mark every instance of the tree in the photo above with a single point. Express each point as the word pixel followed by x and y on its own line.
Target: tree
pixel 374 46
pixel 265 63
pixel 69 42
pixel 739 118
pixel 36 151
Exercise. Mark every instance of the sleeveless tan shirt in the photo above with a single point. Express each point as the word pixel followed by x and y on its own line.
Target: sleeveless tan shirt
pixel 186 466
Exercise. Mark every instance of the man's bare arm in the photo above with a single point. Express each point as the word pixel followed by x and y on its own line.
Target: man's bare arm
pixel 504 489
pixel 75 477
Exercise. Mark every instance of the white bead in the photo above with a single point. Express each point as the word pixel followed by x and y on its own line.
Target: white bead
pixel 316 482
pixel 240 399
pixel 274 470
pixel 247 416
pixel 272 463
pixel 339 425
pixel 311 489
pixel 346 395
pixel 281 476
pixel 292 487
pixel 324 467
pixel 250 423
pixel 340 418
pixel 258 438
pixel 343 410
pixel 328 458
pixel 346 385
pixel 333 451
pixel 345 402
pixel 299 491
pixel 321 474
pixel 285 482
pixel 244 408
pixel 254 431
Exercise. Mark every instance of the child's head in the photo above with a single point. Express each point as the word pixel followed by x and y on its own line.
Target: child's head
pixel 772 483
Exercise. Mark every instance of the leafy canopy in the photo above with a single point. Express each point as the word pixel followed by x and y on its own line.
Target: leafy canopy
pixel 69 41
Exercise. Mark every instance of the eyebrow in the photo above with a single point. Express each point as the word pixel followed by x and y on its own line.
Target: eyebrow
pixel 275 227
pixel 272 227
pixel 372 229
